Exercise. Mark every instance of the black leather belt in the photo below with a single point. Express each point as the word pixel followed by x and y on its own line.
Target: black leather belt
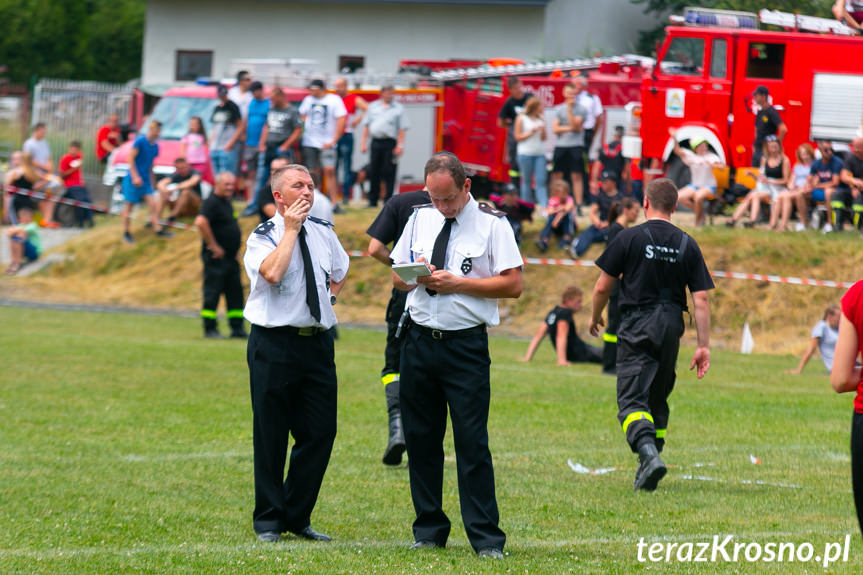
pixel 452 334
pixel 303 331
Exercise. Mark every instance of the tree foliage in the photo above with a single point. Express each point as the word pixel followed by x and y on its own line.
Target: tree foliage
pixel 74 39
pixel 662 8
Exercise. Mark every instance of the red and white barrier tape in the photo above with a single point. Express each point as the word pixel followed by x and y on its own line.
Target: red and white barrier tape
pixel 716 274
pixel 92 207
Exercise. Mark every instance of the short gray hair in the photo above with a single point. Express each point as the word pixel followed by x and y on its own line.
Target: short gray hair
pixel 278 177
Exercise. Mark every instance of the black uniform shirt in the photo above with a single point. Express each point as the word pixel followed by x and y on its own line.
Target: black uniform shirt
pixel 265 198
pixel 176 178
pixel 604 202
pixel 387 227
pixel 647 256
pixel 854 165
pixel 512 108
pixel 766 124
pixel 220 213
pixel 575 347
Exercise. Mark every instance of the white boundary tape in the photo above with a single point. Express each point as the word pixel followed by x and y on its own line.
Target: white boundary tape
pixel 716 274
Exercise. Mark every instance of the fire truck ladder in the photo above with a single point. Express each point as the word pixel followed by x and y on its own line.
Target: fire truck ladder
pixel 808 23
pixel 533 68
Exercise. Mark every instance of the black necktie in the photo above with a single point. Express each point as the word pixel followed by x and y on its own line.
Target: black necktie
pixel 311 287
pixel 439 252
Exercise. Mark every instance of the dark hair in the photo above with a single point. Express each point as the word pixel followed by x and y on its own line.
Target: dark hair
pixel 38 125
pixel 512 81
pixel 241 74
pixel 662 194
pixel 617 208
pixel 200 123
pixel 831 310
pixel 75 144
pixel 449 163
pixel 179 160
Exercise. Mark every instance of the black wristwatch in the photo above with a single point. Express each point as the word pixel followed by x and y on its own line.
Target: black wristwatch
pixel 332 300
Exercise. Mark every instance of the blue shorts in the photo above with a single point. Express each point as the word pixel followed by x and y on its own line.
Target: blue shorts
pixel 134 194
pixel 818 195
pixel 691 187
pixel 30 253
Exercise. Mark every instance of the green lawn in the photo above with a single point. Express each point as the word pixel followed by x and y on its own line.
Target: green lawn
pixel 125 447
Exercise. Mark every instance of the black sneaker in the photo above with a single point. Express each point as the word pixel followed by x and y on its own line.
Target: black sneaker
pixel 337 209
pixel 541 245
pixel 163 233
pixel 127 237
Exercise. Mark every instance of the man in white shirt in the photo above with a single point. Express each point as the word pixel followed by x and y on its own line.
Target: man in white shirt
pixel 324 117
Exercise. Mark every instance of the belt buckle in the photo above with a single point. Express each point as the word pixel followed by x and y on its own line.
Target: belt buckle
pixel 436 334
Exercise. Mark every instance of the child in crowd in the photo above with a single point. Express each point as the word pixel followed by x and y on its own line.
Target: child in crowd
pixel 560 328
pixel 560 219
pixel 193 147
pixel 516 210
pixel 25 244
pixel 70 171
pixel 798 191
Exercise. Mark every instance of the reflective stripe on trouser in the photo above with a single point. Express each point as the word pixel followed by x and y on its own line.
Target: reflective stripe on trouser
pixel 208 313
pixel 609 337
pixel 389 378
pixel 647 345
pixel 222 276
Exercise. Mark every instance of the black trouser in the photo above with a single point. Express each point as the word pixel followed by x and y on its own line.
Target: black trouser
pixel 609 351
pixel 437 373
pixel 842 202
pixel 857 464
pixel 222 276
pixel 382 168
pixel 82 215
pixel 647 346
pixel 392 353
pixel 585 177
pixel 293 388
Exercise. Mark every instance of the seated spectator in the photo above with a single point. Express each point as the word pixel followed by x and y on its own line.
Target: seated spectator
pixel 266 203
pixel 7 197
pixel 824 336
pixel 25 245
pixel 516 210
pixel 560 217
pixel 773 177
pixel 849 12
pixel 598 229
pixel 798 191
pixel 702 186
pixel 25 177
pixel 181 191
pixel 824 179
pixel 560 328
pixel 70 172
pixel 850 198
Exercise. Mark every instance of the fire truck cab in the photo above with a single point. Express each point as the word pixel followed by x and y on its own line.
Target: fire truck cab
pixel 707 71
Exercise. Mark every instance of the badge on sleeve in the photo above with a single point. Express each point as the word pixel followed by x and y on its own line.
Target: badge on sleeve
pixel 265 228
pixel 466 266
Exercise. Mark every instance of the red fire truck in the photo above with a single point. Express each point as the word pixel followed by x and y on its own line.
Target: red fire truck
pixel 708 68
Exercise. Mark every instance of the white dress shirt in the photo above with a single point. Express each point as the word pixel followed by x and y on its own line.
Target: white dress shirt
pixel 481 245
pixel 284 303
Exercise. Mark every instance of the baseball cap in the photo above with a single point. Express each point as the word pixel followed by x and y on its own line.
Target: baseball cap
pixel 762 90
pixel 255 86
pixel 695 142
pixel 222 90
pixel 509 189
pixel 608 175
pixel 317 83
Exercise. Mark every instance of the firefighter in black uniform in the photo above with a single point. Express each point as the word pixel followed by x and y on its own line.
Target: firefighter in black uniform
pixel 445 363
pixel 387 229
pixel 656 262
pixel 220 233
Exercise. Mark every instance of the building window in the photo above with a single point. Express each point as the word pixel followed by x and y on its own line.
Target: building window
pixel 766 61
pixel 350 64
pixel 193 64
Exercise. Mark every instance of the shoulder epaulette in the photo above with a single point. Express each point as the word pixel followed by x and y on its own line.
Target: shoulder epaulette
pixel 320 221
pixel 418 206
pixel 265 228
pixel 489 209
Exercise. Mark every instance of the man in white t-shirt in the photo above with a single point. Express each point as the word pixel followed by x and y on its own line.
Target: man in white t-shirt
pixel 824 336
pixel 701 163
pixel 324 117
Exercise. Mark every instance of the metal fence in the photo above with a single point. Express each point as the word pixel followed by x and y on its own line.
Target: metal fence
pixel 74 110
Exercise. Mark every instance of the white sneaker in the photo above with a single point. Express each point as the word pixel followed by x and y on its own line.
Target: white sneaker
pixel 827 229
pixel 799 227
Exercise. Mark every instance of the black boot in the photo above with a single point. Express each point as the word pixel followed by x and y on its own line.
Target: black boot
pixel 609 358
pixel 651 468
pixel 211 329
pixel 396 443
pixel 238 330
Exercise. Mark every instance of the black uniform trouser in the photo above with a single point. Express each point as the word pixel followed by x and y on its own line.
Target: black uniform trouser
pixel 857 464
pixel 222 276
pixel 845 206
pixel 647 345
pixel 454 373
pixel 609 338
pixel 293 387
pixel 392 353
pixel 382 168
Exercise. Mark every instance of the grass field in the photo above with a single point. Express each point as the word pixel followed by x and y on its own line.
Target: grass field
pixel 126 448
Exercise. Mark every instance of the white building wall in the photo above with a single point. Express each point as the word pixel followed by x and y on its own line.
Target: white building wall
pixel 383 33
pixel 578 28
